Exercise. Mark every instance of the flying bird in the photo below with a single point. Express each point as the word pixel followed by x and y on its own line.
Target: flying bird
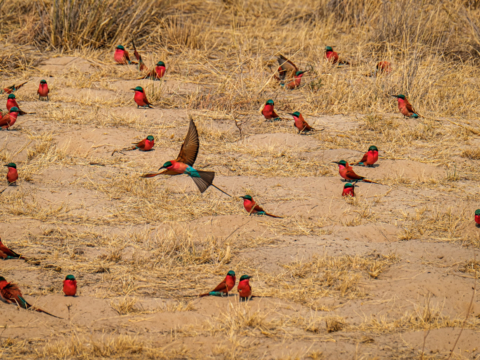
pixel 140 98
pixel 224 287
pixel 183 164
pixel 268 111
pixel 43 90
pixel 244 288
pixel 70 285
pixel 8 120
pixel 144 145
pixel 6 253
pixel 300 123
pixel 405 107
pixel 348 174
pixel 348 190
pixel 12 102
pixel 252 208
pixel 369 158
pixel 10 293
pixel 11 89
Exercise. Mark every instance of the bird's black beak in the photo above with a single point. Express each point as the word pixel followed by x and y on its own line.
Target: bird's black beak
pixel 133 89
pixel 242 197
pixel 395 96
pixel 163 167
pixel 335 162
pixel 5 165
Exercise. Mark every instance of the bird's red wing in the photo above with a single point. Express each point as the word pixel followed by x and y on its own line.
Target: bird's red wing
pixel 364 158
pixel 305 126
pixel 126 55
pixel 410 107
pixel 5 120
pixel 351 175
pixel 145 100
pixel 3 255
pixel 220 287
pixel 257 208
pixel 141 144
pixel 11 291
pixel 191 145
pixel 287 65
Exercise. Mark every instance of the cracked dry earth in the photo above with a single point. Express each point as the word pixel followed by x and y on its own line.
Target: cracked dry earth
pixel 382 276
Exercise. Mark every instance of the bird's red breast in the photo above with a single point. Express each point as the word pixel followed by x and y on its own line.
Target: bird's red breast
pixel 160 70
pixel 43 90
pixel 12 175
pixel 384 67
pixel 11 103
pixel 331 56
pixel 269 112
pixel 372 157
pixel 348 191
pixel 140 98
pixel 248 204
pixel 8 120
pixel 120 56
pixel 70 287
pixel 244 289
pixel 148 144
pixel 230 281
pixel 477 219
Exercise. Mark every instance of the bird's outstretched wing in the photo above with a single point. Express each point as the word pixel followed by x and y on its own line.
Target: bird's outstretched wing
pixel 191 145
pixel 288 67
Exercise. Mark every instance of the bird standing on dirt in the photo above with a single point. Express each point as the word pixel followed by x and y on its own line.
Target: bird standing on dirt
pixel 12 174
pixel 144 145
pixel 333 58
pixel 185 160
pixel 224 287
pixel 12 102
pixel 269 112
pixel 244 288
pixel 157 73
pixel 6 253
pixel 140 98
pixel 70 285
pixel 295 83
pixel 300 123
pixel 121 56
pixel 369 158
pixel 252 208
pixel 11 89
pixel 348 174
pixel 43 90
pixel 405 107
pixel 348 190
pixel 8 120
pixel 10 294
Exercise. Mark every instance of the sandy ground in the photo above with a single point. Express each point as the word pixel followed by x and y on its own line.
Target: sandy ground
pixel 382 276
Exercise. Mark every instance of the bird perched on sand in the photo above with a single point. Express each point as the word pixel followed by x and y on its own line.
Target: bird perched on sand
pixel 8 120
pixel 286 70
pixel 10 294
pixel 12 102
pixel 224 287
pixel 300 123
pixel 140 98
pixel 244 288
pixel 157 73
pixel 12 174
pixel 6 253
pixel 121 56
pixel 43 90
pixel 477 217
pixel 333 58
pixel 183 164
pixel 295 83
pixel 141 64
pixel 268 111
pixel 11 89
pixel 405 107
pixel 348 174
pixel 348 190
pixel 369 158
pixel 252 208
pixel 70 285
pixel 144 145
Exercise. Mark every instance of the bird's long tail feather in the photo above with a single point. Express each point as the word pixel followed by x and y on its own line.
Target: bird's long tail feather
pixel 24 304
pixel 274 216
pixel 369 181
pixel 216 187
pixel 151 175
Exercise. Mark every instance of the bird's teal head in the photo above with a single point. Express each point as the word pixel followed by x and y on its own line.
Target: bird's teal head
pixel 11 96
pixel 296 114
pixel 348 185
pixel 70 277
pixel 166 165
pixel 138 88
pixel 43 81
pixel 399 96
pixel 372 148
pixel 11 165
pixel 477 212
pixel 150 138
pixel 120 47
pixel 341 162
pixel 160 63
pixel 247 197
pixel 245 277
pixel 328 48
pixel 269 102
pixel 14 109
pixel 298 73
pixel 231 273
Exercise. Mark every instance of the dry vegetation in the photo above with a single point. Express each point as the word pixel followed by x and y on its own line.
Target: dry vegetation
pixel 332 274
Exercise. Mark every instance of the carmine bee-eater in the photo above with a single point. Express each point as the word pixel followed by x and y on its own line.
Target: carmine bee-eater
pixel 157 73
pixel 43 90
pixel 12 174
pixel 121 56
pixel 244 288
pixel 269 112
pixel 369 158
pixel 185 160
pixel 348 190
pixel 348 174
pixel 141 64
pixel 6 253
pixel 9 119
pixel 140 98
pixel 252 208
pixel 144 145
pixel 11 89
pixel 332 57
pixel 224 287
pixel 382 68
pixel 70 285
pixel 286 70
pixel 477 217
pixel 300 123
pixel 405 107
pixel 10 293
pixel 12 102
pixel 295 83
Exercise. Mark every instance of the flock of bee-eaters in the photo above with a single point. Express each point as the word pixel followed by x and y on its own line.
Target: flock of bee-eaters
pixel 287 75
